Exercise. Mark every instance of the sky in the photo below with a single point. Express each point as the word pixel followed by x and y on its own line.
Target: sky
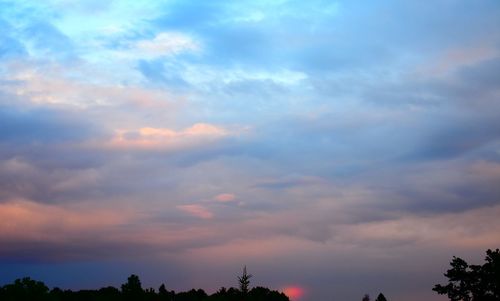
pixel 335 148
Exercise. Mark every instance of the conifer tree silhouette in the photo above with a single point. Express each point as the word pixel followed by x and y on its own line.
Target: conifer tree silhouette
pixel 244 281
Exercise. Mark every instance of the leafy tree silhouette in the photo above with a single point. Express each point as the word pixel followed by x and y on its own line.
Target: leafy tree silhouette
pixel 109 293
pixel 192 295
pixel 224 294
pixel 366 297
pixel 25 289
pixel 473 282
pixel 164 294
pixel 263 293
pixel 162 290
pixel 132 289
pixel 381 297
pixel 244 281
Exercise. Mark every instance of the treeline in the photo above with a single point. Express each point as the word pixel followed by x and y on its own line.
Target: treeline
pixel 27 289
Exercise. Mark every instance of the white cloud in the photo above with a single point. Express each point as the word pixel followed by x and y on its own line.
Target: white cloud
pixel 165 44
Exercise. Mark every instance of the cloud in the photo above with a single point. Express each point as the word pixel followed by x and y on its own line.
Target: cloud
pixel 297 138
pixel 197 211
pixel 159 71
pixel 11 48
pixel 45 39
pixel 53 85
pixel 165 44
pixel 225 197
pixel 290 181
pixel 453 59
pixel 19 126
pixel 447 230
pixel 23 219
pixel 158 138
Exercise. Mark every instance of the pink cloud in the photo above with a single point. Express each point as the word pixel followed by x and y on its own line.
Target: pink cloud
pixel 454 58
pixel 225 197
pixel 26 220
pixel 151 138
pixel 196 210
pixel 50 86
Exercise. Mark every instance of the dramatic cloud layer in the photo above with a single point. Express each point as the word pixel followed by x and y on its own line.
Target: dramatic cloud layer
pixel 335 148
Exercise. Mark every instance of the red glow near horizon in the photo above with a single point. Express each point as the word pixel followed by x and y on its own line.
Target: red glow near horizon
pixel 294 292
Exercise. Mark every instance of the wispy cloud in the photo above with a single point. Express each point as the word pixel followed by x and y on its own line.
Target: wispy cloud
pixel 148 137
pixel 197 211
pixel 225 197
pixel 165 44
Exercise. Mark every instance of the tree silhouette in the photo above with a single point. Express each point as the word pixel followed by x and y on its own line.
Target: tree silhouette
pixel 263 293
pixel 109 293
pixel 164 294
pixel 27 289
pixel 381 297
pixel 162 290
pixel 132 289
pixel 366 297
pixel 244 281
pixel 473 282
pixel 192 295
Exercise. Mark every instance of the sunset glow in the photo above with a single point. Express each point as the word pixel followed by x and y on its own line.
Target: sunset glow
pixel 294 292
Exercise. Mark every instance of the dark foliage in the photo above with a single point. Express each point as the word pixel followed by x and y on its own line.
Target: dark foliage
pixel 262 293
pixel 244 281
pixel 27 289
pixel 224 294
pixel 132 290
pixel 381 297
pixel 192 295
pixel 473 282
